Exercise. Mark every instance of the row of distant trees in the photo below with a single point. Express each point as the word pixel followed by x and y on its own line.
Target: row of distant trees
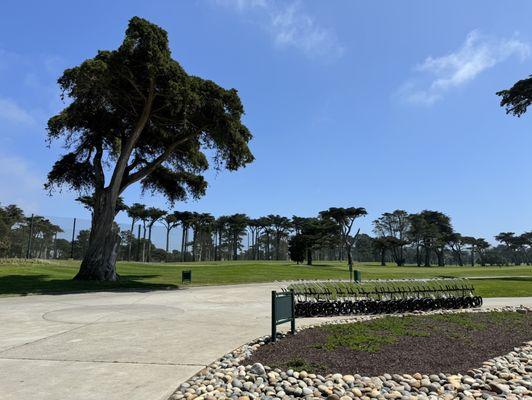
pixel 204 237
pixel 426 238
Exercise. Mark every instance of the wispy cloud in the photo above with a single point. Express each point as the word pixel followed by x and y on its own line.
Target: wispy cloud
pixel 21 183
pixel 36 96
pixel 435 76
pixel 290 26
pixel 11 112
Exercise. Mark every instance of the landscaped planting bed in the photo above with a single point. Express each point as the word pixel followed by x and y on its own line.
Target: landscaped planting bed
pixel 448 355
pixel 443 343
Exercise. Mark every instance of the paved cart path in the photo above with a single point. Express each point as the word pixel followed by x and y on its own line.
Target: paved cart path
pixel 134 345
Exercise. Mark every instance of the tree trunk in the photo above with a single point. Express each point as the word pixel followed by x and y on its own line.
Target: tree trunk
pixel 257 246
pixel 183 245
pixel 99 261
pixel 185 253
pixel 418 256
pixel 138 244
pixel 349 257
pixel 148 257
pixel 383 257
pixel 441 260
pixel 235 246
pixel 220 240
pixel 309 256
pixel 130 239
pixel 427 256
pixel 395 258
pixel 215 244
pixel 218 255
pixel 277 245
pixel 144 243
pixel 200 245
pixel 167 242
pixel 194 233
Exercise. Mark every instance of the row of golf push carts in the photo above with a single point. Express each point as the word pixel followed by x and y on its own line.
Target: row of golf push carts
pixel 333 298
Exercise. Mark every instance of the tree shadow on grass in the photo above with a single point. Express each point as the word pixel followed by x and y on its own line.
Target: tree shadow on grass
pixel 45 284
pixel 323 266
pixel 503 278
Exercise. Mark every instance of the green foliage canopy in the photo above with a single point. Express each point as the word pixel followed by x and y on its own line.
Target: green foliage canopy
pixel 135 112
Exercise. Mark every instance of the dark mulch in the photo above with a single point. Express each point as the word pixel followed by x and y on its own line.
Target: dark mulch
pixel 430 345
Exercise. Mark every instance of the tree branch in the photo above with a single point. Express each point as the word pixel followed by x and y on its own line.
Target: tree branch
pixel 149 168
pixel 125 153
pixel 137 89
pixel 137 160
pixel 99 174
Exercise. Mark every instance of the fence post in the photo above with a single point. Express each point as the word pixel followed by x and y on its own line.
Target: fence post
pixel 73 237
pixel 28 251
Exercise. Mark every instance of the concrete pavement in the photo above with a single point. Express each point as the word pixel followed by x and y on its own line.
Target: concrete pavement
pixel 131 345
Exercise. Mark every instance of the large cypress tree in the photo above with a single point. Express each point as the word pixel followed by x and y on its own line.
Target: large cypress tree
pixel 134 115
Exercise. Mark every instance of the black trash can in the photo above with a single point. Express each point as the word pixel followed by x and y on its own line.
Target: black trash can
pixel 186 276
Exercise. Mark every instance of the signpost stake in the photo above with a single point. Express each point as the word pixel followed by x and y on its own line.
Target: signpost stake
pixel 274 318
pixel 293 322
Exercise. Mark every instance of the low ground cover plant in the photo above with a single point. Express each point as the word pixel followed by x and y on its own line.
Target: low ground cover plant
pixel 448 343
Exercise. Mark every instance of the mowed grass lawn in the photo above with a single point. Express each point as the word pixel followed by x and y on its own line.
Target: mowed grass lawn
pixel 41 277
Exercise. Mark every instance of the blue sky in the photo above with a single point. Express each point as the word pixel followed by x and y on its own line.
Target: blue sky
pixel 377 104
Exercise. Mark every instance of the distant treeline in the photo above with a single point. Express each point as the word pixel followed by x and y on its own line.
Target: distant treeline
pixel 426 238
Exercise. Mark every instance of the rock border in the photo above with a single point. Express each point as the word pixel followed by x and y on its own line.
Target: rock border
pixel 505 377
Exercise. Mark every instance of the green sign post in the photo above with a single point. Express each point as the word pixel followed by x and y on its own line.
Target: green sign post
pixel 283 310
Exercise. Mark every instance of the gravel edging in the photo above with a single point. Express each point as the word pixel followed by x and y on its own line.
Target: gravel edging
pixel 508 376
